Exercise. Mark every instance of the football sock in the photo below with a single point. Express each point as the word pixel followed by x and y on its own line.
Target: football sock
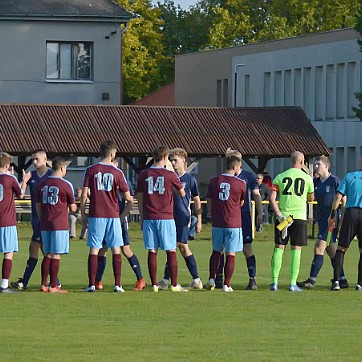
pixel 30 266
pixel 251 265
pixel 152 267
pixel 102 262
pixel 295 265
pixel 192 266
pixel 45 270
pixel 276 263
pixel 54 270
pixel 360 270
pixel 220 268
pixel 6 270
pixel 92 269
pixel 117 267
pixel 229 269
pixel 214 263
pixel 316 266
pixel 166 275
pixel 338 260
pixel 342 275
pixel 172 264
pixel 135 265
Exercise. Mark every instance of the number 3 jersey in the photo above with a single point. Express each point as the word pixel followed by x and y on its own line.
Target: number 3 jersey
pixel 104 182
pixel 54 195
pixel 293 186
pixel 226 193
pixel 156 184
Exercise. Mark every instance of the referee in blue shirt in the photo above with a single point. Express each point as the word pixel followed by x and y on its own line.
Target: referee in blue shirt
pixel 351 187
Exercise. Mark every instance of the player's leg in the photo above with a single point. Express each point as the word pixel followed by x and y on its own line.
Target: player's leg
pixel 72 225
pixel 45 265
pixel 8 245
pixel 217 236
pixel 190 263
pixel 102 262
pixel 219 279
pixel 6 271
pixel 132 258
pixel 359 236
pixel 277 258
pixel 248 250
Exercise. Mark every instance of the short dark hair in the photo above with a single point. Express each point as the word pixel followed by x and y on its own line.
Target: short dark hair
pixel 160 152
pixel 107 147
pixel 5 159
pixel 325 160
pixel 58 162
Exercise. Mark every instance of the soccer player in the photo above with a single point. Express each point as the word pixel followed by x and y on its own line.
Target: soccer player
pixel 325 189
pixel 155 187
pixel 8 234
pixel 182 215
pixel 252 189
pixel 126 249
pixel 225 197
pixel 351 187
pixel 103 181
pixel 32 180
pixel 294 188
pixel 55 197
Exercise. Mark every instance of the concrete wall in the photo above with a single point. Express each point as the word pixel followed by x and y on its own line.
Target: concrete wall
pixel 23 62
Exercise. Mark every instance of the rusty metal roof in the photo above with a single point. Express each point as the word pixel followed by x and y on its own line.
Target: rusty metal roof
pixel 79 129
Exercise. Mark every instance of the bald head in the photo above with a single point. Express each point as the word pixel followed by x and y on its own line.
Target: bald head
pixel 297 159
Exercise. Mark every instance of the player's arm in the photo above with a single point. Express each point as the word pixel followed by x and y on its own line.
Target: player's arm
pixel 181 192
pixel 258 205
pixel 198 213
pixel 24 182
pixel 38 209
pixel 310 197
pixel 140 206
pixel 83 202
pixel 335 204
pixel 129 204
pixel 73 207
pixel 273 202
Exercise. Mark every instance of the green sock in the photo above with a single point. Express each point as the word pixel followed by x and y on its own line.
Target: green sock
pixel 276 264
pixel 295 265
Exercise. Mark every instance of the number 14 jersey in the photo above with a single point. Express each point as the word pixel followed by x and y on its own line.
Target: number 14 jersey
pixel 293 186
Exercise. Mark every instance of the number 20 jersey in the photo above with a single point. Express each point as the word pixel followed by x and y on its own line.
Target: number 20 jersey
pixel 293 186
pixel 104 181
pixel 226 193
pixel 156 184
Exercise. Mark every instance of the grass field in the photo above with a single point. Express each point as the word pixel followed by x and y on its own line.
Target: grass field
pixel 196 326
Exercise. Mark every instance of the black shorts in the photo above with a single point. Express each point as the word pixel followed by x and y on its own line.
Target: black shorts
pixel 297 233
pixel 351 227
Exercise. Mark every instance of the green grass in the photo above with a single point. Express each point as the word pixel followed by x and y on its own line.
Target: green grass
pixel 197 326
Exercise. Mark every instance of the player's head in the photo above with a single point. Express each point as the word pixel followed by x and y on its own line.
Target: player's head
pixel 5 160
pixel 59 166
pixel 233 161
pixel 39 158
pixel 178 158
pixel 259 178
pixel 160 154
pixel 297 159
pixel 108 149
pixel 322 165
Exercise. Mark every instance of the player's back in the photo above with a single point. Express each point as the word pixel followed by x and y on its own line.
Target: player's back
pixel 226 193
pixel 104 182
pixel 251 184
pixel 156 184
pixel 55 194
pixel 8 186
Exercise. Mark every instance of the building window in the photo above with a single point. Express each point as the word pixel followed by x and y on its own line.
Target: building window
pixel 69 61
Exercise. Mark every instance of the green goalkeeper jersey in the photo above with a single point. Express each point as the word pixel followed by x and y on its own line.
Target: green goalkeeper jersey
pixel 293 186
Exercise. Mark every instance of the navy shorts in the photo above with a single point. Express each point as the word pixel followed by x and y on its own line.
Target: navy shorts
pixel 297 233
pixel 35 224
pixel 323 231
pixel 182 234
pixel 247 228
pixel 125 235
pixel 351 227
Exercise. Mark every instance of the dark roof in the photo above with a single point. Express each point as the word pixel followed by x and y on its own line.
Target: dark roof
pixel 164 96
pixel 137 130
pixel 63 8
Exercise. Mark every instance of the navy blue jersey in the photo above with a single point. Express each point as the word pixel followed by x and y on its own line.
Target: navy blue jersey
pixel 181 206
pixel 122 201
pixel 324 193
pixel 33 186
pixel 251 184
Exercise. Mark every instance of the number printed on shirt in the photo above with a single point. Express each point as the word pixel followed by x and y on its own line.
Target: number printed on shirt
pixel 50 195
pixel 1 192
pixel 225 191
pixel 298 186
pixel 104 181
pixel 158 186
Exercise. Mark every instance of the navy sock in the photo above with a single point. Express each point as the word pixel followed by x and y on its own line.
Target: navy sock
pixel 338 260
pixel 167 272
pixel 30 266
pixel 220 270
pixel 192 266
pixel 316 266
pixel 102 262
pixel 360 270
pixel 135 265
pixel 341 276
pixel 251 265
